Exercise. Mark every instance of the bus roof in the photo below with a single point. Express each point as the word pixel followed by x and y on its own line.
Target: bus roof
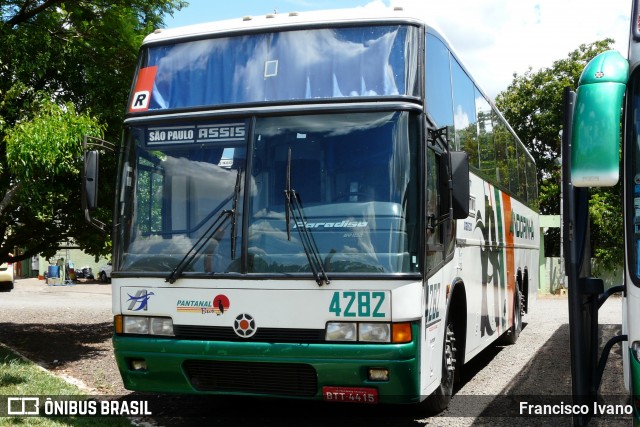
pixel 285 20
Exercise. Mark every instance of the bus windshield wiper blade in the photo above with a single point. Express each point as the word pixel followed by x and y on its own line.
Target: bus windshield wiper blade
pixel 224 216
pixel 287 196
pixel 293 208
pixel 215 226
pixel 234 209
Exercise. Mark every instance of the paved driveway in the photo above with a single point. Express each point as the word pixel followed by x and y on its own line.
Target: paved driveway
pixel 36 293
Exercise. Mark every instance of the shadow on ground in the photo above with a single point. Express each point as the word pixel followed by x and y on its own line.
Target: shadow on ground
pixel 60 342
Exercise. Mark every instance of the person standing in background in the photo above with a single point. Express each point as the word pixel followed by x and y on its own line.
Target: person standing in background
pixel 35 266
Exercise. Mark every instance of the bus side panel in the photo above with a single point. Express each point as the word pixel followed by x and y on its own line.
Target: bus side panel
pixel 481 263
pixel 433 328
pixel 497 243
pixel 524 228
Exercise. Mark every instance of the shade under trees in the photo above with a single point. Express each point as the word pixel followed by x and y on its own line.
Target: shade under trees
pixel 65 71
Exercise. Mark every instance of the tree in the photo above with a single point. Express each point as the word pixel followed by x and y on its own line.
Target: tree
pixel 533 105
pixel 65 71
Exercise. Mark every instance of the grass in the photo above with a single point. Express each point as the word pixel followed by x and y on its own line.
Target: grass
pixel 20 377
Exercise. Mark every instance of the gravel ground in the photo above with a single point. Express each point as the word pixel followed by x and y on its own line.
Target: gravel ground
pixel 537 366
pixel 68 331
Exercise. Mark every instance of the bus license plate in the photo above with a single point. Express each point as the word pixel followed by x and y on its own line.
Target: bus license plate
pixel 350 394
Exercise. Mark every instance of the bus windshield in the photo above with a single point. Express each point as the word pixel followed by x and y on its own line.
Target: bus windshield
pixel 282 66
pixel 356 176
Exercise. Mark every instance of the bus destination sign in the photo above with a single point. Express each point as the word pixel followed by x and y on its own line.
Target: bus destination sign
pixel 196 134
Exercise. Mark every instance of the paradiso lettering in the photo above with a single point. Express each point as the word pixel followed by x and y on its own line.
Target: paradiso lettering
pixel 521 226
pixel 340 224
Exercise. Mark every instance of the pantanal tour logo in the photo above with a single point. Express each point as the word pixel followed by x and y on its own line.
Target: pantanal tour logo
pixel 218 305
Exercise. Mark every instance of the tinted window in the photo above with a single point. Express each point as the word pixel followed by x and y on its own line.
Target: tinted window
pixel 434 235
pixel 502 139
pixel 464 109
pixel 289 65
pixel 183 182
pixel 356 179
pixel 522 173
pixel 486 147
pixel 532 184
pixel 512 161
pixel 438 84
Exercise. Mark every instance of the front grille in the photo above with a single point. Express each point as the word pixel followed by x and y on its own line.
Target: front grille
pixel 219 333
pixel 282 379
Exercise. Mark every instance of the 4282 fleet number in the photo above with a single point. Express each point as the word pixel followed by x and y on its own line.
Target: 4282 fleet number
pixel 358 304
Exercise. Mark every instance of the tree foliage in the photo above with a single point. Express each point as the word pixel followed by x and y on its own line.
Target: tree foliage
pixel 50 144
pixel 533 105
pixel 65 71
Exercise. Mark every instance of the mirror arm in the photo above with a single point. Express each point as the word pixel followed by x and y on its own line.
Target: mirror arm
pixel 434 221
pixel 94 222
pixel 89 142
pixel 433 135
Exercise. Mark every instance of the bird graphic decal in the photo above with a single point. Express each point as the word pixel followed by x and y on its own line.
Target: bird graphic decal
pixel 142 298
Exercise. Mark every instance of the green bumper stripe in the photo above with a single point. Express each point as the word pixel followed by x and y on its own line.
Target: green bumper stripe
pixel 342 365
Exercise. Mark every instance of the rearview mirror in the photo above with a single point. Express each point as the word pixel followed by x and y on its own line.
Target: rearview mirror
pixel 459 184
pixel 90 180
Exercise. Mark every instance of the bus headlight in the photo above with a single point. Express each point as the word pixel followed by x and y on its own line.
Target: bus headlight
pixel 161 326
pixel 635 349
pixel 340 331
pixel 144 325
pixel 136 325
pixel 374 332
pixel 378 332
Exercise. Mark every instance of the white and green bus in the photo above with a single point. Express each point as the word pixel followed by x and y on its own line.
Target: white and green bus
pixel 316 205
pixel 604 112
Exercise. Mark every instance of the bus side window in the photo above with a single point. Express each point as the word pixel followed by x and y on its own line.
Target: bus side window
pixel 438 82
pixel 435 248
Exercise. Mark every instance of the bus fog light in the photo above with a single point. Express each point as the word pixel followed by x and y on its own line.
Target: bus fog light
pixel 635 349
pixel 161 326
pixel 340 331
pixel 378 374
pixel 136 325
pixel 374 332
pixel 138 365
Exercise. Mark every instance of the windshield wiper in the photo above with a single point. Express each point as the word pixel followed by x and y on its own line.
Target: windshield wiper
pixel 234 209
pixel 215 226
pixel 293 208
pixel 220 221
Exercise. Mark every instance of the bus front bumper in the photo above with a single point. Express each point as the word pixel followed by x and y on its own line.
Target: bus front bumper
pixel 338 372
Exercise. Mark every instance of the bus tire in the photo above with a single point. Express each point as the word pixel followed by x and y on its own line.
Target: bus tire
pixel 513 333
pixel 439 400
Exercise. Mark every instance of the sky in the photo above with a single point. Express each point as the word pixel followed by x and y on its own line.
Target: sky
pixel 493 38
